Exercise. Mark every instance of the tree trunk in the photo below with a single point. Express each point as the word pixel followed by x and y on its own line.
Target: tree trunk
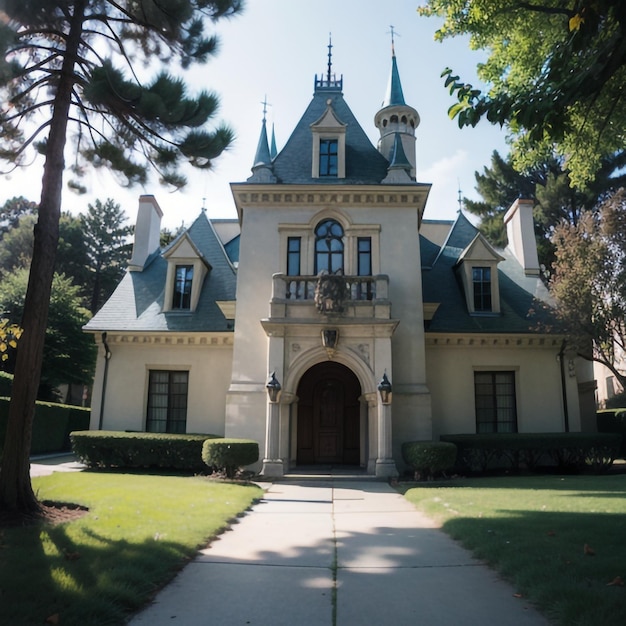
pixel 16 493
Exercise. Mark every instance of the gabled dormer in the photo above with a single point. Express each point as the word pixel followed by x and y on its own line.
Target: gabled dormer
pixel 477 269
pixel 186 270
pixel 329 145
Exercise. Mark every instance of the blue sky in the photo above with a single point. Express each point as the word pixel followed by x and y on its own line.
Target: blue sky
pixel 274 49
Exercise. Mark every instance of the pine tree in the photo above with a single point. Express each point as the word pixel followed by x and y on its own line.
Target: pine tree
pixel 74 69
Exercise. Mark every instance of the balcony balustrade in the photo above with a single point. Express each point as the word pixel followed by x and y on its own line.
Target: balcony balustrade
pixel 350 296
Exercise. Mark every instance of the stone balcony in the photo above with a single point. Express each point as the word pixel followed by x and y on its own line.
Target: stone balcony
pixel 310 297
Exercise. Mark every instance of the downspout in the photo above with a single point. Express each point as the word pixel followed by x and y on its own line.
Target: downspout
pixel 107 357
pixel 561 358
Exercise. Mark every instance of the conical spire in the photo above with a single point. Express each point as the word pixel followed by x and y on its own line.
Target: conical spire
pixel 273 151
pixel 262 156
pixel 399 171
pixel 398 159
pixel 262 167
pixel 394 95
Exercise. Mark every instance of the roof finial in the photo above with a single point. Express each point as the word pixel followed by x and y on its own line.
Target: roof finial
pixel 265 104
pixel 393 40
pixel 460 196
pixel 330 57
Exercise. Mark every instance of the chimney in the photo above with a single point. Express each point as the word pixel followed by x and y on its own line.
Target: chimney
pixel 520 232
pixel 147 232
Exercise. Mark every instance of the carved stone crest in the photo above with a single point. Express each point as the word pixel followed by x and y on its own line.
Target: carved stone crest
pixel 331 291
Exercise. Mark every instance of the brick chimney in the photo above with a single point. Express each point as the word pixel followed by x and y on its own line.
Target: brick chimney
pixel 147 232
pixel 520 232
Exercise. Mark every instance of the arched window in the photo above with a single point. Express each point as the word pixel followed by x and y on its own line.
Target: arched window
pixel 328 247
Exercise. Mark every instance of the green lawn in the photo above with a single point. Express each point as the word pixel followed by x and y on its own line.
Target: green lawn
pixel 533 530
pixel 139 531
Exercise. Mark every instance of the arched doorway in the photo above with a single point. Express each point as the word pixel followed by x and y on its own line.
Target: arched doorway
pixel 328 416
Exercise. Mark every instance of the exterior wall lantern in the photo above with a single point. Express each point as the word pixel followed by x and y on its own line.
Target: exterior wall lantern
pixel 384 388
pixel 273 388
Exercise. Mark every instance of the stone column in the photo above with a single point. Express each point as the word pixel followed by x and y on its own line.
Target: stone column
pixel 272 463
pixel 385 465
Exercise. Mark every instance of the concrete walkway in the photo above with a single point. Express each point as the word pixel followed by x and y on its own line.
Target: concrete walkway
pixel 336 551
pixel 46 464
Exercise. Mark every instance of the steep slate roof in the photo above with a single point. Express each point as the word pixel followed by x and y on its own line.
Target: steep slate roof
pixel 523 299
pixel 364 164
pixel 136 305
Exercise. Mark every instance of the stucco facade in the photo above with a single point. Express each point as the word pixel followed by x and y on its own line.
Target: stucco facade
pixel 334 285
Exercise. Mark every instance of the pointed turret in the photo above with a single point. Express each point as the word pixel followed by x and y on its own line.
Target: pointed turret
pixel 273 151
pixel 397 119
pixel 262 171
pixel 394 95
pixel 399 166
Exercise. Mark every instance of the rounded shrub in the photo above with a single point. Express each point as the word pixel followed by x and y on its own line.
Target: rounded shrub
pixel 428 458
pixel 229 455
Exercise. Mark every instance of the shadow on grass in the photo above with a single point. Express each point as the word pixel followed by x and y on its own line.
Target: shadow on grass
pixel 543 553
pixel 603 485
pixel 95 583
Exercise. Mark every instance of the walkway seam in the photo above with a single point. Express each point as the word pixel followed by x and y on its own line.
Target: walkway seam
pixel 335 565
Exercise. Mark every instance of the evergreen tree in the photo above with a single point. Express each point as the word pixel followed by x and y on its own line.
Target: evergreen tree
pixel 12 210
pixel 75 68
pixel 549 186
pixel 108 249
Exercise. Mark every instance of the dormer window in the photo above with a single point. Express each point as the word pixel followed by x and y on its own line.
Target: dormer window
pixel 186 271
pixel 182 287
pixel 329 145
pixel 328 157
pixel 481 282
pixel 478 272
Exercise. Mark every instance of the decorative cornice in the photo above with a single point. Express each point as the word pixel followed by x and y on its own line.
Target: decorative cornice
pixel 492 340
pixel 171 339
pixel 258 196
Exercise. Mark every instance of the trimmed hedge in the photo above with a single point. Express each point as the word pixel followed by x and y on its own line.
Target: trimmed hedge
pixel 115 449
pixel 52 425
pixel 429 458
pixel 613 421
pixel 229 455
pixel 566 451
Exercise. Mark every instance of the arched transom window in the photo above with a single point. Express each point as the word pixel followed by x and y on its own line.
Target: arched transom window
pixel 328 247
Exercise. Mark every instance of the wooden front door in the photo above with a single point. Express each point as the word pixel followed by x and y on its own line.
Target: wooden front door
pixel 329 416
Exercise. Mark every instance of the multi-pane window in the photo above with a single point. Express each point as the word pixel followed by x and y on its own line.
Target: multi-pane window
pixel 364 252
pixel 364 267
pixel 328 247
pixel 494 394
pixel 329 150
pixel 182 287
pixel 481 280
pixel 167 401
pixel 293 256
